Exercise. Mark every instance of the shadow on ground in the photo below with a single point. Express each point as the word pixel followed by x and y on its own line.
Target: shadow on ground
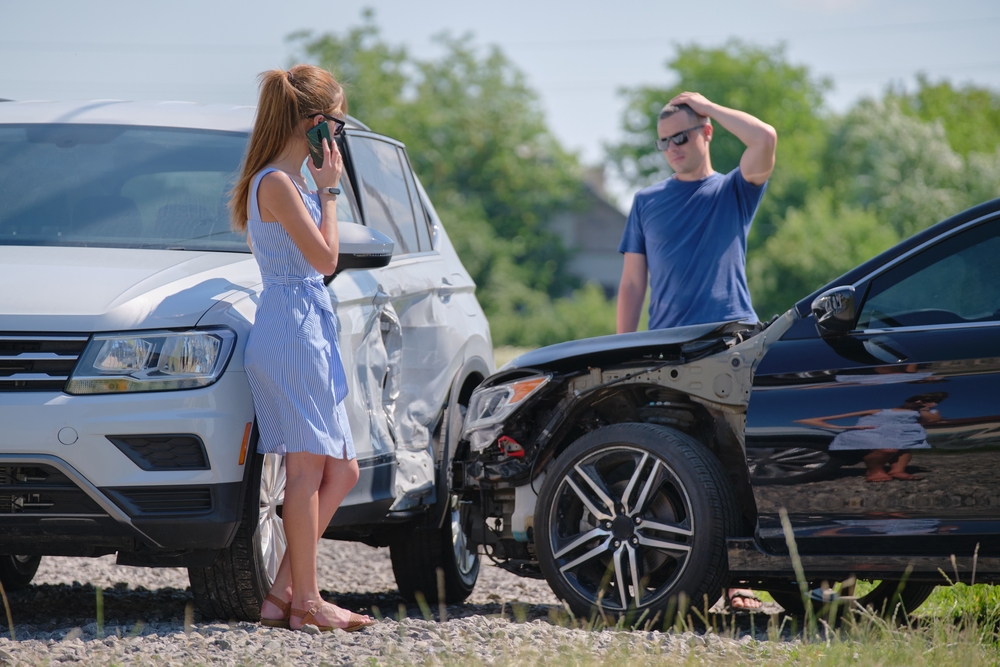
pixel 51 608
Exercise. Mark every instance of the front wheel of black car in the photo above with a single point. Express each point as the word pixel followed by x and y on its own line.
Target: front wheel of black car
pixel 631 517
pixel 16 572
pixel 235 585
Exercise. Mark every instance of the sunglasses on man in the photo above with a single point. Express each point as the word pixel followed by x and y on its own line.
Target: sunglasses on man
pixel 678 139
pixel 338 125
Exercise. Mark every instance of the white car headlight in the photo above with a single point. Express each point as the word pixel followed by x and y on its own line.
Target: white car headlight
pixel 151 361
pixel 490 406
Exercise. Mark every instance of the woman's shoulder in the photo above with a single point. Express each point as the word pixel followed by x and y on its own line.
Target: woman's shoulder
pixel 277 183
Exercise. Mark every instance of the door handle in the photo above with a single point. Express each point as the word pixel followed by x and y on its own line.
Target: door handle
pixel 446 288
pixel 885 350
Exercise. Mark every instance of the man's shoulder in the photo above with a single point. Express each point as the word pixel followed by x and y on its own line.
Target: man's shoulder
pixel 655 188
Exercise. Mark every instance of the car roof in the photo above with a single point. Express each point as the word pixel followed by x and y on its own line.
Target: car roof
pixel 861 271
pixel 223 117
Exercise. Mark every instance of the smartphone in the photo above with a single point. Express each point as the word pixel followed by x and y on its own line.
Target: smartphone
pixel 315 137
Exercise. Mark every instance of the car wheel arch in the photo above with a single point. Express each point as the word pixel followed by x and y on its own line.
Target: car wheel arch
pixel 709 427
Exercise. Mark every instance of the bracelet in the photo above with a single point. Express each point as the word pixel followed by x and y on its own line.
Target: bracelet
pixel 330 191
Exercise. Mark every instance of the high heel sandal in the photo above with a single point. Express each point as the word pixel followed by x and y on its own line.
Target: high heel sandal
pixel 357 622
pixel 285 608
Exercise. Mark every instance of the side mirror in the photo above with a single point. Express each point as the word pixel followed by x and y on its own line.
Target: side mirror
pixel 834 311
pixel 361 248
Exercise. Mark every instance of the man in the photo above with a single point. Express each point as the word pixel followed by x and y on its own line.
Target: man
pixel 688 234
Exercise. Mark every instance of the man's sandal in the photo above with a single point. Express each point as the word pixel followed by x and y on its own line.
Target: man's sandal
pixel 285 607
pixel 740 594
pixel 357 622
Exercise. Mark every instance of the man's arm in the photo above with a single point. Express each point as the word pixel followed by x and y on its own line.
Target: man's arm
pixel 760 138
pixel 631 292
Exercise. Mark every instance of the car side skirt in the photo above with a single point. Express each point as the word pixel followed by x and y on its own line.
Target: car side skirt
pixel 748 561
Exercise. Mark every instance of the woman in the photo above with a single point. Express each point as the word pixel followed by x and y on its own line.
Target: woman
pixel 889 434
pixel 292 356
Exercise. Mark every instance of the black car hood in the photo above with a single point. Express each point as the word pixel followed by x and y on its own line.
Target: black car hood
pixel 618 347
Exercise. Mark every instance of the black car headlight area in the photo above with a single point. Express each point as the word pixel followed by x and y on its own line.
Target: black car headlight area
pixel 134 361
pixel 489 407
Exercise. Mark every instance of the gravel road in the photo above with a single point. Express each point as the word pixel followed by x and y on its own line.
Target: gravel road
pixel 149 619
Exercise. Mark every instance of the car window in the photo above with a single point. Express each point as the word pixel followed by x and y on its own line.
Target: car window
pixel 956 281
pixel 423 224
pixel 118 186
pixel 383 191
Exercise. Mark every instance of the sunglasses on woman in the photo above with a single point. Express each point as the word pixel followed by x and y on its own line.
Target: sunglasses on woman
pixel 338 125
pixel 678 139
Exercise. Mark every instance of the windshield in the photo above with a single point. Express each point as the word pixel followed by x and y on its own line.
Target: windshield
pixel 118 186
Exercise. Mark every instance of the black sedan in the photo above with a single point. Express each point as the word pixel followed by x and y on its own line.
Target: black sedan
pixel 861 428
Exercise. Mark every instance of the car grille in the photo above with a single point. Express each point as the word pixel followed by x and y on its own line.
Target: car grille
pixel 41 489
pixel 150 500
pixel 38 362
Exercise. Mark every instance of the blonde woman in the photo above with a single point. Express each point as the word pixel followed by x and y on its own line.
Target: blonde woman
pixel 292 356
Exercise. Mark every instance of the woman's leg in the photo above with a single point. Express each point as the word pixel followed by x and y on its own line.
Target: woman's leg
pixel 339 477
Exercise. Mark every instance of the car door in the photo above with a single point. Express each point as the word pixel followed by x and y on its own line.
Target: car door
pixel 415 289
pixel 892 431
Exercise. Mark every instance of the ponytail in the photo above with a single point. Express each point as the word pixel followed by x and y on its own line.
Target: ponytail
pixel 285 99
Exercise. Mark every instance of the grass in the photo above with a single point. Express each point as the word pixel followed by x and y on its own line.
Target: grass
pixel 504 353
pixel 958 627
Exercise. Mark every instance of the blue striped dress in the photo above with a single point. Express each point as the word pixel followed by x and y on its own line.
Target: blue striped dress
pixel 292 356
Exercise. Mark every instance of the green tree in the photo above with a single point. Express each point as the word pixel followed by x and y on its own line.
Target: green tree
pixel 477 139
pixel 758 80
pixel 970 114
pixel 896 166
pixel 813 245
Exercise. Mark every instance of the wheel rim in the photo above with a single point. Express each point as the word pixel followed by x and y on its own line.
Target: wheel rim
pixel 621 528
pixel 782 463
pixel 465 559
pixel 270 527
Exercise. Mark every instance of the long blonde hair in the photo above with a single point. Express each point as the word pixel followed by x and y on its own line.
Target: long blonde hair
pixel 285 99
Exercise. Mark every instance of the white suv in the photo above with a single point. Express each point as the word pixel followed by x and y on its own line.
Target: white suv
pixel 127 422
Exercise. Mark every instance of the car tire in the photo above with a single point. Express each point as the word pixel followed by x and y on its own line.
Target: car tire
pixel 235 585
pixel 888 599
pixel 417 558
pixel 664 534
pixel 16 572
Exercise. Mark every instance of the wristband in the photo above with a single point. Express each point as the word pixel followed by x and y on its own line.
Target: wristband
pixel 330 191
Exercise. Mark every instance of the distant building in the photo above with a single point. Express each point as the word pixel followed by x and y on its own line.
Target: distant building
pixel 592 233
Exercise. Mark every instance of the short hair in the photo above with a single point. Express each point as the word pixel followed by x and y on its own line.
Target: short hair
pixel 670 109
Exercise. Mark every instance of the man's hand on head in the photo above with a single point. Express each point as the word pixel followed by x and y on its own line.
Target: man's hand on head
pixel 698 103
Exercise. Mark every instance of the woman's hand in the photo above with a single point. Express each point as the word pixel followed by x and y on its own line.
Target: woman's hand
pixel 328 175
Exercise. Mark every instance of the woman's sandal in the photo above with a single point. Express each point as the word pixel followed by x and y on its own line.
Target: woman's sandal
pixel 356 623
pixel 285 608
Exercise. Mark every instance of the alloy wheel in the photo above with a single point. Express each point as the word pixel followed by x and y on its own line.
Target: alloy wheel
pixel 621 528
pixel 465 559
pixel 270 527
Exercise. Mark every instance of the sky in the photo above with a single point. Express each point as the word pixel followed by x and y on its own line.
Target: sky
pixel 577 55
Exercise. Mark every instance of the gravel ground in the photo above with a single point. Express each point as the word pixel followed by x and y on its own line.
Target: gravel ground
pixel 149 618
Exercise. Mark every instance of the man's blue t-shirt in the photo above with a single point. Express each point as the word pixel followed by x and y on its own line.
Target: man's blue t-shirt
pixel 694 237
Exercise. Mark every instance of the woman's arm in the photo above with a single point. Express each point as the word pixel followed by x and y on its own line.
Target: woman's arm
pixel 280 201
pixel 821 422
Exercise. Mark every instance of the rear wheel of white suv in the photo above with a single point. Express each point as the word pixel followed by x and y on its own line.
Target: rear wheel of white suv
pixel 235 585
pixel 417 556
